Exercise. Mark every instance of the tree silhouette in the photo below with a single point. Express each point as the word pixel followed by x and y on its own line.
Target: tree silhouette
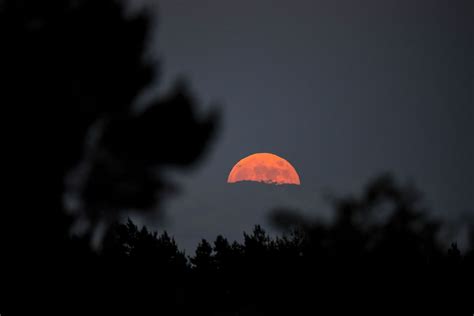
pixel 127 241
pixel 386 223
pixel 72 71
pixel 203 260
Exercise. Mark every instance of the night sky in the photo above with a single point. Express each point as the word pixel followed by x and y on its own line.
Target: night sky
pixel 343 90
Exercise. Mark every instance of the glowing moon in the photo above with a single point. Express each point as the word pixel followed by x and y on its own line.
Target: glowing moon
pixel 264 167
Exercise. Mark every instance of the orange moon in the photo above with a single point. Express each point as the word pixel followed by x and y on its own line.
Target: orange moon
pixel 266 168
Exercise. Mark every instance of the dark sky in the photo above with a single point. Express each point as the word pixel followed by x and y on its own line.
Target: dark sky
pixel 342 89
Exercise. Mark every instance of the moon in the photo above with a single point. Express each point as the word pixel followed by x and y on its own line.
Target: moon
pixel 266 168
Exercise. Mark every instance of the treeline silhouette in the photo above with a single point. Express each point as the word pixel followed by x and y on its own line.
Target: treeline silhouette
pixel 80 154
pixel 381 246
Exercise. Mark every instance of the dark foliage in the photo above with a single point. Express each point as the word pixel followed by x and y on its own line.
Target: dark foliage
pixel 397 259
pixel 71 72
